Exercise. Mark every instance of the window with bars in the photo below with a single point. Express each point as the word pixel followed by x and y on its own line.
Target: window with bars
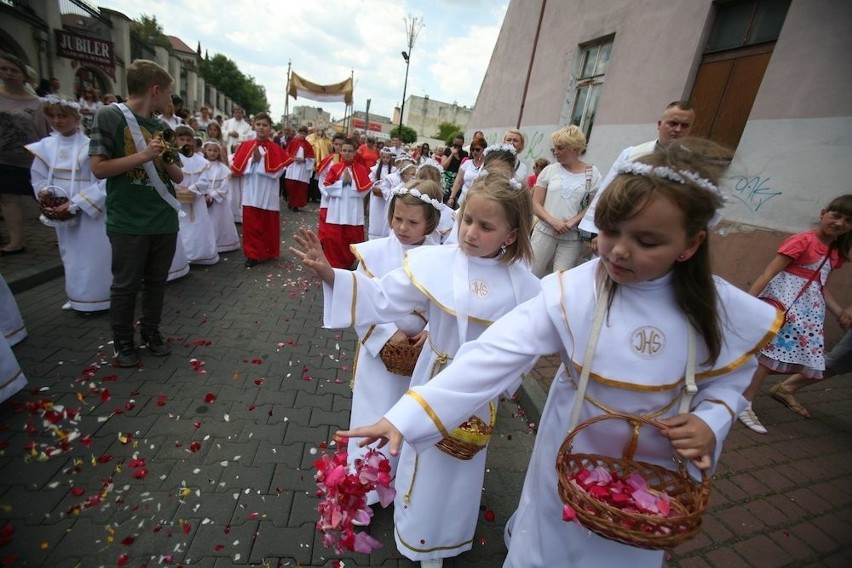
pixel 594 63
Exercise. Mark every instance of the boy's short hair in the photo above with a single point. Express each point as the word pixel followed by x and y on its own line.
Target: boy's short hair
pixel 143 74
pixel 184 130
pixel 263 116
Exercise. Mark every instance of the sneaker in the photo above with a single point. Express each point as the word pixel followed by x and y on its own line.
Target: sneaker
pixel 155 344
pixel 750 419
pixel 66 306
pixel 125 355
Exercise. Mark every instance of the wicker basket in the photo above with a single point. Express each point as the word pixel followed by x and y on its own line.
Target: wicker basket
pixel 185 196
pixel 470 438
pixel 49 197
pixel 689 498
pixel 400 358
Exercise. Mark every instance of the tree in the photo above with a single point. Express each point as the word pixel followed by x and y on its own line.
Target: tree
pixel 149 30
pixel 224 74
pixel 407 134
pixel 446 131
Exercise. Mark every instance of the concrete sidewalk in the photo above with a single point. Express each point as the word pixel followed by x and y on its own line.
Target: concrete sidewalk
pixel 244 495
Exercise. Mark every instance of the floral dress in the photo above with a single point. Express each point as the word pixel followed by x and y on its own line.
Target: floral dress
pixel 799 346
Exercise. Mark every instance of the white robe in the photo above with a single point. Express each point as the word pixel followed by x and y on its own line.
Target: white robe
pixel 375 389
pixel 243 130
pixel 235 198
pixel 629 154
pixel 12 331
pixel 484 289
pixel 12 379
pixel 379 228
pixel 83 246
pixel 345 202
pixel 196 228
pixel 217 176
pixel 300 171
pixel 261 188
pixel 180 263
pixel 638 368
pixel 11 323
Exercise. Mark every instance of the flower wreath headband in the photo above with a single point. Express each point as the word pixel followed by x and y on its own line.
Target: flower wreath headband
pixel 677 176
pixel 402 190
pixel 501 146
pixel 59 101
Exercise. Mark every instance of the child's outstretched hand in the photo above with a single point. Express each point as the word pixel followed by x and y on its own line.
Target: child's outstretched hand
pixel 312 255
pixel 691 438
pixel 382 430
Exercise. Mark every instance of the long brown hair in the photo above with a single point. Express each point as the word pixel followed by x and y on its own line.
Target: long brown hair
pixel 843 244
pixel 629 193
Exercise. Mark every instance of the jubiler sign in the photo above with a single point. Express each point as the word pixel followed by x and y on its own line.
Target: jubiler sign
pixel 84 48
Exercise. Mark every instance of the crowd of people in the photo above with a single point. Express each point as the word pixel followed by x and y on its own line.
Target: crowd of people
pixel 460 254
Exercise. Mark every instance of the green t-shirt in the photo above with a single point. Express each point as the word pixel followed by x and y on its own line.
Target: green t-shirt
pixel 133 206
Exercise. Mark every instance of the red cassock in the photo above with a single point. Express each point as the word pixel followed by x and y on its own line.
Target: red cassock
pixel 297 190
pixel 261 227
pixel 339 237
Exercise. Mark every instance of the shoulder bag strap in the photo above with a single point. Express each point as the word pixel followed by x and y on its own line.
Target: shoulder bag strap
pixel 148 166
pixel 811 279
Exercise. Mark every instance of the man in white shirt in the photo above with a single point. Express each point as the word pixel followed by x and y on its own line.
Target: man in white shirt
pixel 676 122
pixel 236 130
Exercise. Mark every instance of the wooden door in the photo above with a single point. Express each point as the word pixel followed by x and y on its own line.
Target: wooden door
pixel 723 94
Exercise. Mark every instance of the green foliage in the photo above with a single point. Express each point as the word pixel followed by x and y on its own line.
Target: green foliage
pixel 449 139
pixel 148 30
pixel 224 74
pixel 407 134
pixel 446 131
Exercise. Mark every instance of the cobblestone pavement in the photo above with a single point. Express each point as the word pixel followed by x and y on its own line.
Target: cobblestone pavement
pixel 229 425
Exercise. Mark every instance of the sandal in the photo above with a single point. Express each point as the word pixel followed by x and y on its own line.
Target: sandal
pixel 787 398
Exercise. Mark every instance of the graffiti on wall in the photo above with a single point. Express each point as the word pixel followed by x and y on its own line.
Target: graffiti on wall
pixel 753 191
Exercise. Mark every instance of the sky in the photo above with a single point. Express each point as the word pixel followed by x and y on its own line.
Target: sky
pixel 327 39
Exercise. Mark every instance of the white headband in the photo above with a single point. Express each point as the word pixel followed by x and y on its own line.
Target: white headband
pixel 56 100
pixel 402 190
pixel 677 176
pixel 501 146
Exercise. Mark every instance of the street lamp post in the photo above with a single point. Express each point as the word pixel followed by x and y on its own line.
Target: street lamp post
pixel 407 59
pixel 412 30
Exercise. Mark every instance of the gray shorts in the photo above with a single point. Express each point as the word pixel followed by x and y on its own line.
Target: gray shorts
pixel 839 359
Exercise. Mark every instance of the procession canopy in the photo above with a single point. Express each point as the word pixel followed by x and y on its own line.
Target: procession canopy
pixel 335 93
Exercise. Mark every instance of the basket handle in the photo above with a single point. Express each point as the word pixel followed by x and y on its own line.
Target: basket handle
pixel 635 421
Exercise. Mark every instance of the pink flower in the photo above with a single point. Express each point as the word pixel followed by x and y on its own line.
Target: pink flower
pixel 343 497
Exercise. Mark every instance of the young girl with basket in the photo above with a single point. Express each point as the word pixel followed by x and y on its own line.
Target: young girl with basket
pixel 644 331
pixel 61 166
pixel 378 378
pixel 465 288
pixel 794 282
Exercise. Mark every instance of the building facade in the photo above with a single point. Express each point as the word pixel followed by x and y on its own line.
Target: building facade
pixel 425 115
pixel 82 45
pixel 766 78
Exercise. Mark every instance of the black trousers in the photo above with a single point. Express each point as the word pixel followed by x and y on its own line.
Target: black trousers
pixel 139 263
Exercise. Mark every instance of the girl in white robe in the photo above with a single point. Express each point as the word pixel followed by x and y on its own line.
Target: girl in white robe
pixel 62 160
pixel 217 178
pixel 196 229
pixel 378 224
pixel 650 290
pixel 12 331
pixel 375 389
pixel 466 288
